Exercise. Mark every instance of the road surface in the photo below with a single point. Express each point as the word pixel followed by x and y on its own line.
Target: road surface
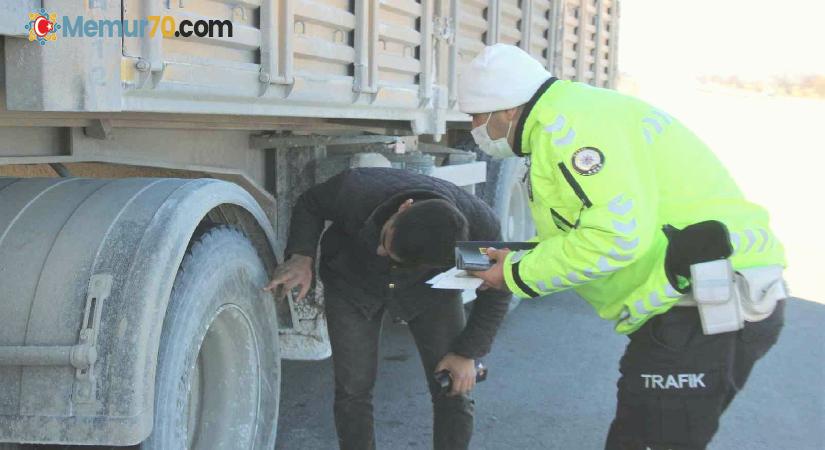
pixel 552 386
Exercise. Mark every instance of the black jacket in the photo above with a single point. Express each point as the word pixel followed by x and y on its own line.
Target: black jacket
pixel 359 202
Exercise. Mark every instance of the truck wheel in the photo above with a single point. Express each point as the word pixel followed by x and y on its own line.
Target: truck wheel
pixel 506 192
pixel 217 384
pixel 508 198
pixel 510 202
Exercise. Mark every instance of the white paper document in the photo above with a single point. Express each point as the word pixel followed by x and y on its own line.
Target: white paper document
pixel 455 279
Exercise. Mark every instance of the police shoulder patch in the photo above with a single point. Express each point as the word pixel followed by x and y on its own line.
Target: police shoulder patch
pixel 588 160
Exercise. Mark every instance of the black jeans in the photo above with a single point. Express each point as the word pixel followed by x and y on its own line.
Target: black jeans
pixel 355 338
pixel 676 382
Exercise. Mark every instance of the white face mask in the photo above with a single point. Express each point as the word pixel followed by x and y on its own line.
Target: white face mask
pixel 498 148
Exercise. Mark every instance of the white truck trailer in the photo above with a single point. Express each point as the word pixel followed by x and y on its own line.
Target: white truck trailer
pixel 146 181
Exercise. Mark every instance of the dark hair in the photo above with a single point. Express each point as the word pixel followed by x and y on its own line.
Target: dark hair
pixel 427 231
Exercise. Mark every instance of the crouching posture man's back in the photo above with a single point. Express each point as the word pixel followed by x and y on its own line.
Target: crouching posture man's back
pixel 392 231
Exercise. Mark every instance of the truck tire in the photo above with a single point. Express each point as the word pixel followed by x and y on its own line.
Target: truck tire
pixel 506 192
pixel 217 384
pixel 509 200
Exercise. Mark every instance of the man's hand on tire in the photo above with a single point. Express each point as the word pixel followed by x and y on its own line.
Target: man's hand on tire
pixel 296 271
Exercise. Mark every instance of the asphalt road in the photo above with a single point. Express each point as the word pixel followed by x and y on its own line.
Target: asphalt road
pixel 552 386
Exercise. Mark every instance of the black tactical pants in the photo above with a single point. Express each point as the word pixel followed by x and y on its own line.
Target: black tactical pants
pixel 676 382
pixel 355 339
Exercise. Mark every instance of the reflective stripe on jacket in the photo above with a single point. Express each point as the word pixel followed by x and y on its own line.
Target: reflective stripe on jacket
pixel 607 172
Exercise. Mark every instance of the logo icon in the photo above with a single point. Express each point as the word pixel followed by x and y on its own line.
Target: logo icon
pixel 42 27
pixel 588 161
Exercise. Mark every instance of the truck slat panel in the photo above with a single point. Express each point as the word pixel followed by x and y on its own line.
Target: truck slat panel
pixel 399 49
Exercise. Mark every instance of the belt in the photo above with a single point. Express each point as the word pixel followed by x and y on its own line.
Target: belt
pixel 763 285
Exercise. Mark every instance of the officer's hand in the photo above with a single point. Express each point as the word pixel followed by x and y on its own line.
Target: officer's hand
pixel 462 371
pixel 494 276
pixel 296 271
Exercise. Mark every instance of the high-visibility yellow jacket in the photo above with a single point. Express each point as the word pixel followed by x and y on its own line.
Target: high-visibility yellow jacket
pixel 607 172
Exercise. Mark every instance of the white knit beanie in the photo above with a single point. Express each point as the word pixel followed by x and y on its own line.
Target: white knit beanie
pixel 501 77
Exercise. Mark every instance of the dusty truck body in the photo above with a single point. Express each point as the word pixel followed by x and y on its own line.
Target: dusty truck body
pixel 145 186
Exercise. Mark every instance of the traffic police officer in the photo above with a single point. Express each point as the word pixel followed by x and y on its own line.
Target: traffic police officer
pixel 637 215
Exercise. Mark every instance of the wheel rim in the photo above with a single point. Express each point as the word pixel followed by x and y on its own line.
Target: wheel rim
pixel 224 384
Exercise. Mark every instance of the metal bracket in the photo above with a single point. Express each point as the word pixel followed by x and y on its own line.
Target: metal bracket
pixel 277 20
pixel 99 129
pixel 100 287
pixel 149 71
pixel 274 141
pixel 266 79
pixel 365 76
pixel 150 65
pixel 82 356
pixel 444 29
